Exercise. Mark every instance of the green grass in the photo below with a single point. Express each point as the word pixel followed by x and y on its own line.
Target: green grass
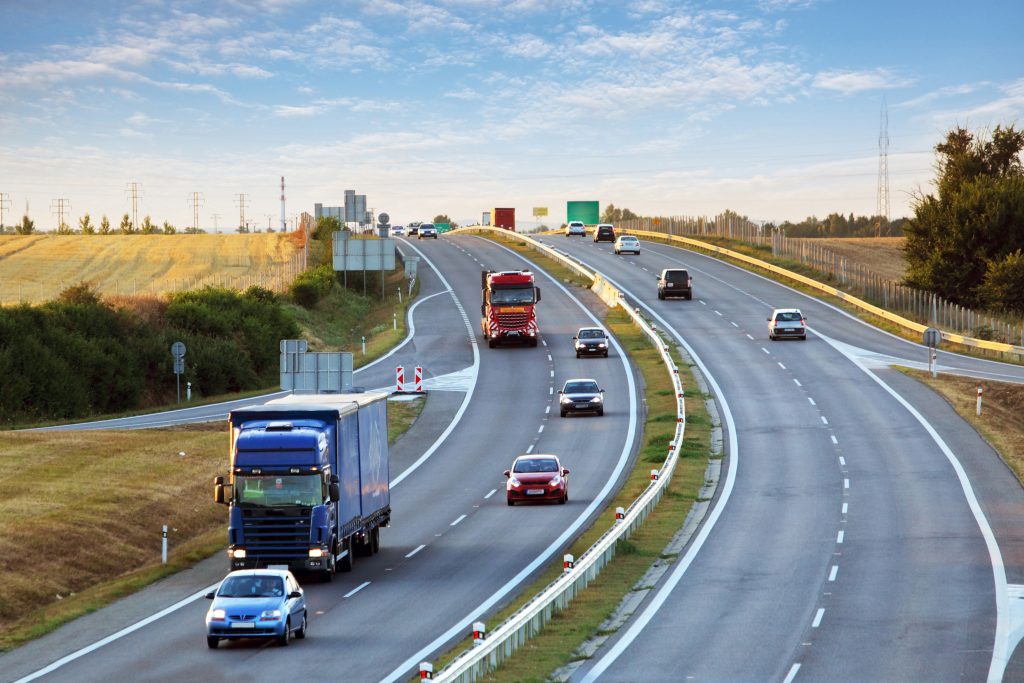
pixel 553 648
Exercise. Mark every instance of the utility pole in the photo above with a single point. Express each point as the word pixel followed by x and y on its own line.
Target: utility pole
pixel 284 225
pixel 270 217
pixel 59 206
pixel 241 200
pixel 134 191
pixel 5 204
pixel 215 216
pixel 883 170
pixel 196 200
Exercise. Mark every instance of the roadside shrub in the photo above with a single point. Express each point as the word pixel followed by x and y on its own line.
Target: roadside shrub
pixel 309 287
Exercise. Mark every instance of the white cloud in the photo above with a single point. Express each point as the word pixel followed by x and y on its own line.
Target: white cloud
pixel 941 93
pixel 852 82
pixel 290 111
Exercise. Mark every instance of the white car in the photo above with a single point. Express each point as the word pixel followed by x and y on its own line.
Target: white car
pixel 427 230
pixel 627 243
pixel 397 231
pixel 576 228
pixel 787 323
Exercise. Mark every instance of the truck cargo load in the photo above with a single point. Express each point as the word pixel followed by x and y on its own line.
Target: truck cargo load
pixel 504 218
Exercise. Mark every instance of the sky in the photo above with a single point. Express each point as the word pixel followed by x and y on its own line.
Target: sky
pixel 769 108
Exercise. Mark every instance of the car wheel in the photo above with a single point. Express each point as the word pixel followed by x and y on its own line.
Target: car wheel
pixel 285 637
pixel 510 502
pixel 565 497
pixel 577 354
pixel 301 633
pixel 803 338
pixel 562 412
pixel 600 412
pixel 605 354
pixel 661 295
pixel 689 297
pixel 212 642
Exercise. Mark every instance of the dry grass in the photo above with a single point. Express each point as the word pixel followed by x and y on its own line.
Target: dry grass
pixel 35 268
pixel 883 255
pixel 1002 416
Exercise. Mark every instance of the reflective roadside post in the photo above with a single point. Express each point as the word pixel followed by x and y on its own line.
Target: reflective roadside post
pixel 178 352
pixel 932 338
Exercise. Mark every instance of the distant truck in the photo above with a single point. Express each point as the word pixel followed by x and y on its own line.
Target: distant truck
pixel 504 218
pixel 308 484
pixel 509 307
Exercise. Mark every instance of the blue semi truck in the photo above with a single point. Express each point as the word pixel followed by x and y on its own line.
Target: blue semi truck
pixel 308 486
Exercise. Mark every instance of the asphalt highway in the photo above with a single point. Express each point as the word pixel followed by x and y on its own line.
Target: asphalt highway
pixel 869 534
pixel 454 551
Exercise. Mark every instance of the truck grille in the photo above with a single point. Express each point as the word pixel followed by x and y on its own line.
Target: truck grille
pixel 273 536
pixel 513 320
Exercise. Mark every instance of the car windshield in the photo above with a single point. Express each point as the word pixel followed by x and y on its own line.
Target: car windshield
pixel 536 465
pixel 591 334
pixel 427 226
pixel 513 296
pixel 278 490
pixel 788 317
pixel 628 239
pixel 580 388
pixel 251 587
pixel 676 275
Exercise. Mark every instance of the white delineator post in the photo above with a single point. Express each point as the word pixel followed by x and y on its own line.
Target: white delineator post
pixel 978 409
pixel 479 632
pixel 426 671
pixel 399 379
pixel 163 545
pixel 568 562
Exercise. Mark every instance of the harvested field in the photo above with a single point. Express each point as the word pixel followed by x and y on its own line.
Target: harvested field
pixel 35 268
pixel 884 255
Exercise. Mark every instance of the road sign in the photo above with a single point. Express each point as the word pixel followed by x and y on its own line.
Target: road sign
pixel 179 366
pixel 178 350
pixel 383 218
pixel 932 337
pixel 540 211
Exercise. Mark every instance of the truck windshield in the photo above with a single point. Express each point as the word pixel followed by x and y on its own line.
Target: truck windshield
pixel 512 297
pixel 272 490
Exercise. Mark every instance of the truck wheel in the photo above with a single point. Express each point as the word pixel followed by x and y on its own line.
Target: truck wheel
pixel 212 642
pixel 533 343
pixel 346 563
pixel 491 343
pixel 285 637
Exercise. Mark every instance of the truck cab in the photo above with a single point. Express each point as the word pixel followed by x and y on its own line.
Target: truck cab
pixel 508 310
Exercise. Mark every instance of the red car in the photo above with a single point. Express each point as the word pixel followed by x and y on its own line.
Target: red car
pixel 537 477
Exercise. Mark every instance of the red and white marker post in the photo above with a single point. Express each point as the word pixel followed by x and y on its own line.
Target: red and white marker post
pixel 399 379
pixel 419 380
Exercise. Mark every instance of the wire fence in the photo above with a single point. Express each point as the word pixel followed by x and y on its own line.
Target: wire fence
pixel 918 305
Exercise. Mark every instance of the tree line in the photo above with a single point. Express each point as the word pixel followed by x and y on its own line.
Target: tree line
pixel 27 226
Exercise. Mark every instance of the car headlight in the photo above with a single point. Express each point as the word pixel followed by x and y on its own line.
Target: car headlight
pixel 555 481
pixel 238 553
pixel 216 615
pixel 514 482
pixel 316 552
pixel 270 615
pixel 596 399
pixel 601 345
pixel 565 399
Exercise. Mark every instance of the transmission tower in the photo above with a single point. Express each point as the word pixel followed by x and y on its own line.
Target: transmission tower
pixel 216 217
pixel 241 200
pixel 196 200
pixel 883 171
pixel 5 204
pixel 133 191
pixel 59 207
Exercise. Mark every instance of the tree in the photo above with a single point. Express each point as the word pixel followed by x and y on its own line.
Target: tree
pixel 959 242
pixel 26 227
pixel 442 218
pixel 1003 287
pixel 105 225
pixel 148 227
pixel 613 214
pixel 169 229
pixel 126 225
pixel 86 226
pixel 63 229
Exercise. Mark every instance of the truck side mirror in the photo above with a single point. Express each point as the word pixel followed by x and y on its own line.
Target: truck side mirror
pixel 335 492
pixel 218 490
pixel 536 291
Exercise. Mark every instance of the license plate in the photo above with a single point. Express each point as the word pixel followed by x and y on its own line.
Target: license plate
pixel 669 284
pixel 534 492
pixel 242 624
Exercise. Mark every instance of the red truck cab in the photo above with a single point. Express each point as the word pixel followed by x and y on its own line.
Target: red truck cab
pixel 509 307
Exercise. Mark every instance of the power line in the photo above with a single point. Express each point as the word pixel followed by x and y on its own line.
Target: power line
pixel 134 191
pixel 196 200
pixel 5 204
pixel 59 206
pixel 241 200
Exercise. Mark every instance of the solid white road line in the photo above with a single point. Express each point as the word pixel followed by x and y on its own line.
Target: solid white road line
pixel 493 491
pixel 817 618
pixel 832 574
pixel 459 519
pixel 355 590
pixel 416 551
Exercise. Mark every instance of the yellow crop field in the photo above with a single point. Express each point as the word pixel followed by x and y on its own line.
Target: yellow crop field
pixel 35 268
pixel 883 255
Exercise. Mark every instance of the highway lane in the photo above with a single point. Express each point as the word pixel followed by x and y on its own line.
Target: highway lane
pixel 453 545
pixel 847 532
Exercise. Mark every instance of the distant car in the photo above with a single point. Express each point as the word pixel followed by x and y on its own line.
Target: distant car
pixel 413 229
pixel 627 243
pixel 575 228
pixel 537 477
pixel 592 341
pixel 256 603
pixel 787 323
pixel 397 231
pixel 581 396
pixel 427 230
pixel 675 282
pixel 604 232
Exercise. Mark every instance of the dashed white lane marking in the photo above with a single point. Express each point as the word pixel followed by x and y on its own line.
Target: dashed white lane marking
pixel 419 548
pixel 543 342
pixel 817 618
pixel 552 373
pixel 840 536
pixel 549 357
pixel 355 590
pixel 780 364
pixel 846 506
pixel 733 324
pixel 540 429
pixel 846 483
pixel 718 313
pixel 824 420
pixel 457 520
pixel 551 391
pixel 842 460
pixel 702 302
pixel 530 449
pixel 752 339
pixel 547 410
pixel 792 673
pixel 766 351
pixel 645 269
pixel 811 401
pixel 832 574
pixel 797 382
pixel 493 491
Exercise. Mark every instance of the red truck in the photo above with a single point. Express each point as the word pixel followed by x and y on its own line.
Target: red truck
pixel 509 308
pixel 504 218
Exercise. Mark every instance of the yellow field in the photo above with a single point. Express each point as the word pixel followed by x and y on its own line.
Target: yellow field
pixel 35 268
pixel 883 255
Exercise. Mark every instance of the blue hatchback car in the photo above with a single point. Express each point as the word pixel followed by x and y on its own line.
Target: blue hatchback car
pixel 256 603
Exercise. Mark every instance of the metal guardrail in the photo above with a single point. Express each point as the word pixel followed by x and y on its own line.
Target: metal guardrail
pixel 528 620
pixel 838 293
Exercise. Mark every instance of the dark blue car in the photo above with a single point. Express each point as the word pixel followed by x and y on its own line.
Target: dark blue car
pixel 256 603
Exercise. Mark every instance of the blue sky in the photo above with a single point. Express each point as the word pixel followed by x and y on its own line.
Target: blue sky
pixel 768 108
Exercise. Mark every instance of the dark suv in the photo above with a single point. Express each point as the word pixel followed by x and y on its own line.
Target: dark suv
pixel 604 233
pixel 675 282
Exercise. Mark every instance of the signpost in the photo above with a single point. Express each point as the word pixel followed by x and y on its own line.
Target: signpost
pixel 539 211
pixel 178 353
pixel 932 338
